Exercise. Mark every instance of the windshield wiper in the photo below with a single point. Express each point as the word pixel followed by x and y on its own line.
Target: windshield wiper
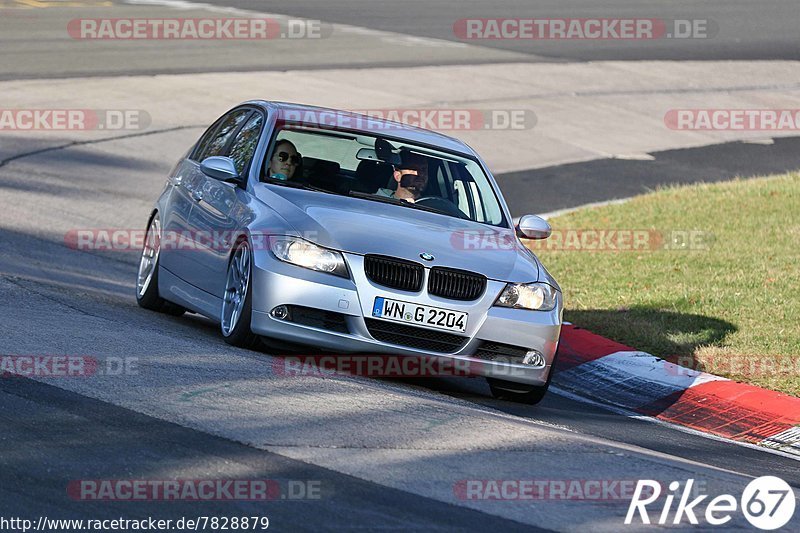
pixel 395 201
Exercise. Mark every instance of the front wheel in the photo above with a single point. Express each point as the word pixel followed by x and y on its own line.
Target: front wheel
pixel 237 304
pixel 147 277
pixel 520 392
pixel 517 392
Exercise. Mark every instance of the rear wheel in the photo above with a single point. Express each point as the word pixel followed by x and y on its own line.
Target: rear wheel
pixel 147 277
pixel 237 306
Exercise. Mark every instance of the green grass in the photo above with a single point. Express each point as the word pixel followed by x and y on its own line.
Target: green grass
pixel 732 306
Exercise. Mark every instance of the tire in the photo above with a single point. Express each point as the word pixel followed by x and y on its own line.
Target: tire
pixel 521 392
pixel 517 392
pixel 237 303
pixel 147 275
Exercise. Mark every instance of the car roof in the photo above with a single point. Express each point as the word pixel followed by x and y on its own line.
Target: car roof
pixel 311 114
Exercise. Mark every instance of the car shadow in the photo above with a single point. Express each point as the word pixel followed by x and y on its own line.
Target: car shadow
pixel 663 333
pixel 668 335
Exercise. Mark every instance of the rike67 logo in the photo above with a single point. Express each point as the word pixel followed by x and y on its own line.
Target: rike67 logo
pixel 767 503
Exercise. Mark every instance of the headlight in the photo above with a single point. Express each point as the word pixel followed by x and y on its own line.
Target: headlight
pixel 534 296
pixel 308 255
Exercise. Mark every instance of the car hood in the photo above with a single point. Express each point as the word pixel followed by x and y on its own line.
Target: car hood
pixel 368 227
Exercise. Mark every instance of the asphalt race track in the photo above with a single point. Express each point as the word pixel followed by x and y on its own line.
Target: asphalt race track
pixel 383 454
pixel 743 33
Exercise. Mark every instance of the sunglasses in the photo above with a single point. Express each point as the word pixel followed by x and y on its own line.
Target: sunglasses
pixel 412 172
pixel 295 159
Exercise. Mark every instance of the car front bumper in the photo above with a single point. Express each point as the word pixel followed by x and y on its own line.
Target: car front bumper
pixel 277 283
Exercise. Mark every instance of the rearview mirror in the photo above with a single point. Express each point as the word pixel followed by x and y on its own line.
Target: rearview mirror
pixel 385 152
pixel 220 168
pixel 367 154
pixel 533 227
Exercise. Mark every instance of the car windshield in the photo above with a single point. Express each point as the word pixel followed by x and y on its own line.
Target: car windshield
pixel 383 170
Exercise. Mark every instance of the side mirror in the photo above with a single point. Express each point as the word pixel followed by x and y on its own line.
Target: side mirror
pixel 220 168
pixel 533 227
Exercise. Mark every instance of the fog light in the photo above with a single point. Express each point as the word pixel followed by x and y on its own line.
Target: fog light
pixel 533 358
pixel 281 312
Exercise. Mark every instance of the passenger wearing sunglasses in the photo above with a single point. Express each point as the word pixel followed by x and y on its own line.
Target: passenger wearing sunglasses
pixel 284 162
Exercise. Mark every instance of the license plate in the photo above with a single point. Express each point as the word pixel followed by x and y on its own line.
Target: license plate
pixel 423 315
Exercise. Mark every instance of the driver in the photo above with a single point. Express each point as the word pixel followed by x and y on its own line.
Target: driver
pixel 411 176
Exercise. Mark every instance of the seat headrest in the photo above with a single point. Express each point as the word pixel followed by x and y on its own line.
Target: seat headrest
pixel 373 175
pixel 313 165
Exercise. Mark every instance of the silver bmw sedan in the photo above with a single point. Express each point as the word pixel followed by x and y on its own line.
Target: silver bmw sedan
pixel 295 225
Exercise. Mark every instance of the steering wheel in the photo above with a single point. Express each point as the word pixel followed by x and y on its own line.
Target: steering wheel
pixel 441 204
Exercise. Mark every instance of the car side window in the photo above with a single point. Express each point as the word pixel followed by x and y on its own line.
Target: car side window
pixel 214 143
pixel 202 144
pixel 244 145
